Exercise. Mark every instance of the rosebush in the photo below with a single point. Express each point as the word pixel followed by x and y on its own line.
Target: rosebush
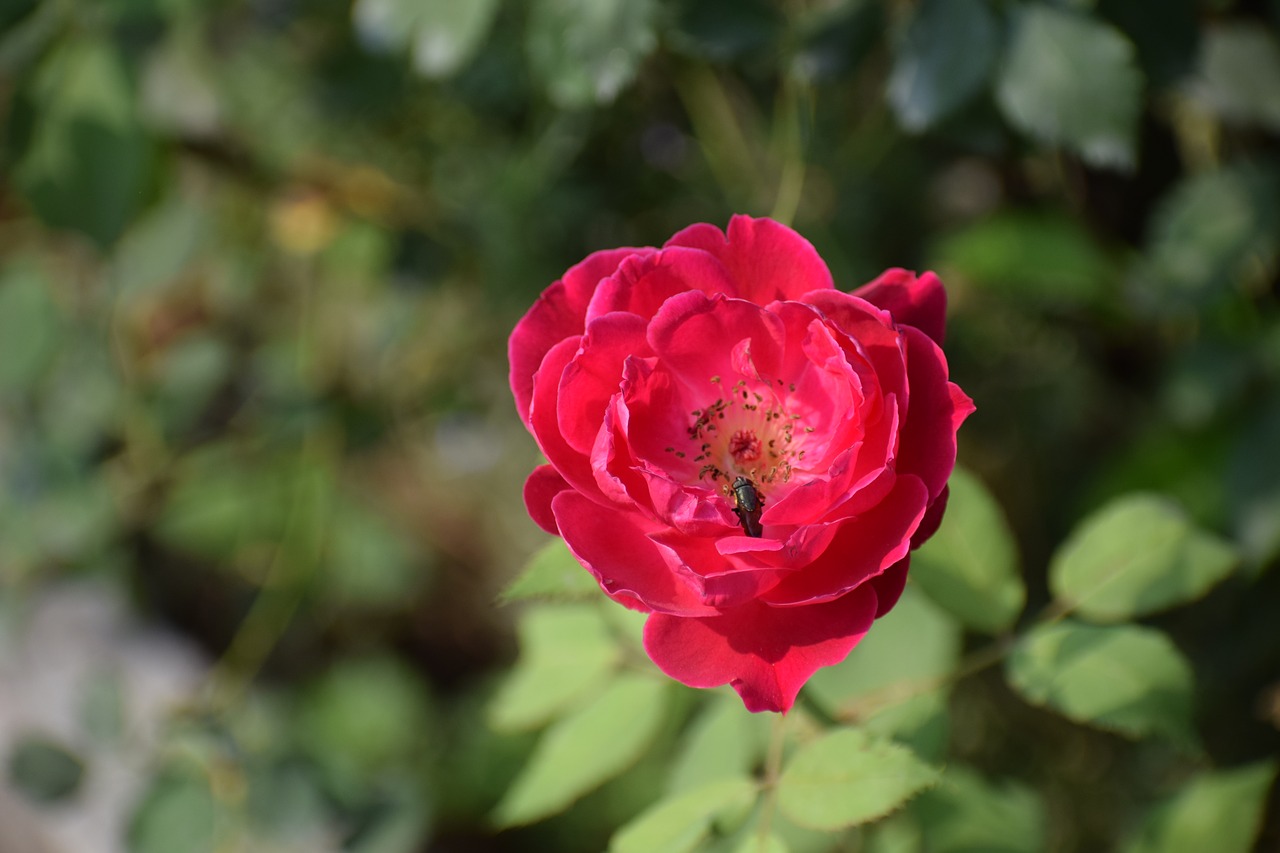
pixel 673 389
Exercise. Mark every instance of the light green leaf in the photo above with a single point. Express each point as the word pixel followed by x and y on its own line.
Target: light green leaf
pixel 891 682
pixel 179 813
pixel 970 566
pixel 723 742
pixel 553 574
pixel 449 33
pixel 845 778
pixel 967 813
pixel 942 60
pixel 753 844
pixel 1069 79
pixel 1220 811
pixel 1127 678
pixel 585 749
pixel 587 51
pixel 565 653
pixel 1137 555
pixel 1240 73
pixel 679 824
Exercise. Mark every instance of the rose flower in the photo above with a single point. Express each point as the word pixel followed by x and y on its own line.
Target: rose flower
pixel 737 448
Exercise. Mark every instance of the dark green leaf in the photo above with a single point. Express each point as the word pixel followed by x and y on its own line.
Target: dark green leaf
pixel 845 778
pixel 1127 678
pixel 1071 80
pixel 1137 555
pixel 968 813
pixel 586 749
pixel 43 770
pixel 970 566
pixel 942 60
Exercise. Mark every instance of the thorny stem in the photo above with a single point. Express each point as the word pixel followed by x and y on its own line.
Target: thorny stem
pixel 772 771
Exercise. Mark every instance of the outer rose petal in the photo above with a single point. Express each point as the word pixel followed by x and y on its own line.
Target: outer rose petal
pixel 767 259
pixel 559 313
pixel 765 653
pixel 919 302
pixel 889 586
pixel 542 486
pixel 927 440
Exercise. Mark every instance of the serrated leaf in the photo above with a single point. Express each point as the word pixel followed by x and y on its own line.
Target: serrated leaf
pixel 1137 555
pixel 967 813
pixel 565 652
pixel 845 778
pixel 1239 74
pixel 970 566
pixel 942 61
pixel 1126 678
pixel 586 749
pixel 1220 811
pixel 1069 79
pixel 723 742
pixel 587 51
pixel 553 574
pixel 679 824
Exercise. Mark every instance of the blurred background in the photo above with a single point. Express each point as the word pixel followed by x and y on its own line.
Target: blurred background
pixel 260 472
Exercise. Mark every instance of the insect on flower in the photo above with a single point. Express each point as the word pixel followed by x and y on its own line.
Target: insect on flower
pixel 748 504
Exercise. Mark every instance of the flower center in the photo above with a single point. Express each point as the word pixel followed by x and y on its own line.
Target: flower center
pixel 745 433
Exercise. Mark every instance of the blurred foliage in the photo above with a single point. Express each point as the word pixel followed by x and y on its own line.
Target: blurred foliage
pixel 258 261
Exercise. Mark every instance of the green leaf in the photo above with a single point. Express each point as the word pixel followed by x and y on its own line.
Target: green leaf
pixel 1125 678
pixel 1029 258
pixel 942 60
pixel 566 652
pixel 680 824
pixel 752 844
pixel 587 51
pixel 1137 555
pixel 29 327
pixel 845 778
pixel 449 34
pixel 45 771
pixel 553 574
pixel 88 162
pixel 179 813
pixel 891 682
pixel 970 566
pixel 1220 811
pixel 967 813
pixel 1240 73
pixel 585 749
pixel 1207 233
pixel 723 742
pixel 1069 79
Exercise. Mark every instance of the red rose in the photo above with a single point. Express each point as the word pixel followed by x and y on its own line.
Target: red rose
pixel 737 448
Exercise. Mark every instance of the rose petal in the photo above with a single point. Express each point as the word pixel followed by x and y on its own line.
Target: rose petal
pixel 543 485
pixel 927 442
pixel 592 378
pixel 863 547
pixel 545 423
pixel 612 543
pixel 765 653
pixel 919 302
pixel 889 586
pixel 766 259
pixel 643 282
pixel 559 313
